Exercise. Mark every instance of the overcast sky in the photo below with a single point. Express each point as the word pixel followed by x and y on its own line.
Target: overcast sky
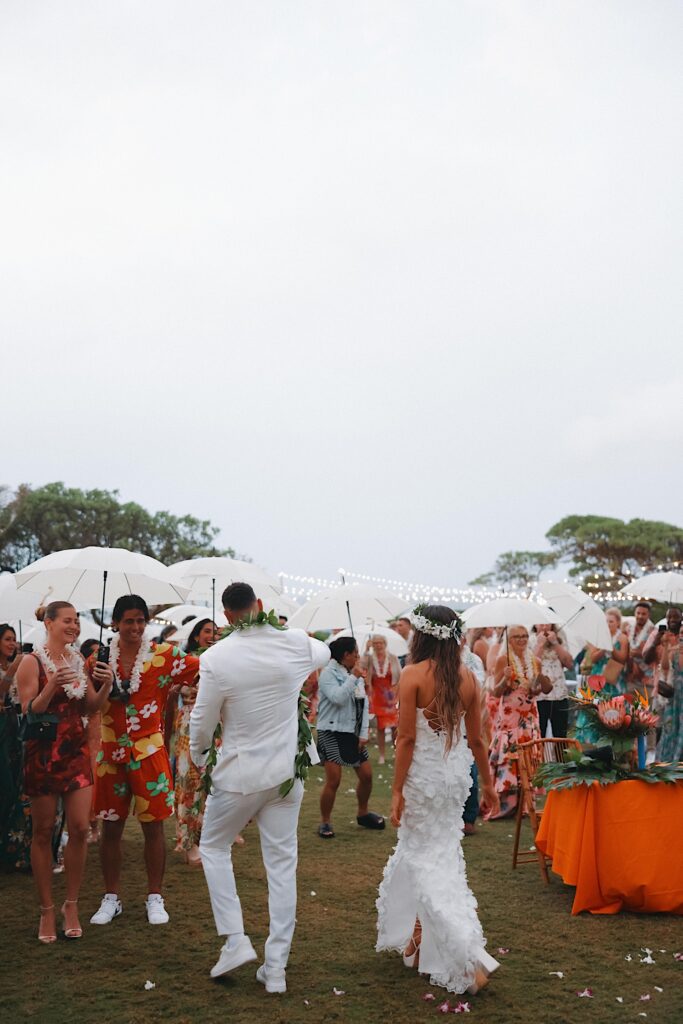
pixel 387 285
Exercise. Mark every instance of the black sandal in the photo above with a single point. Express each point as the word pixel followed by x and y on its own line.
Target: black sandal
pixel 371 820
pixel 325 831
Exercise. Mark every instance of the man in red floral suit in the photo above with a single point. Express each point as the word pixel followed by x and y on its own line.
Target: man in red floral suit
pixel 132 763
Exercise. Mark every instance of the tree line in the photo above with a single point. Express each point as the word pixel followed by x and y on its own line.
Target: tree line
pixel 37 521
pixel 610 551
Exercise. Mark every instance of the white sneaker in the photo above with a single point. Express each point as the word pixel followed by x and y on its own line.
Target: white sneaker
pixel 233 957
pixel 110 907
pixel 272 977
pixel 156 911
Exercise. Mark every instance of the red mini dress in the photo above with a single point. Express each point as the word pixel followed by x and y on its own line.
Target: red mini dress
pixel 52 767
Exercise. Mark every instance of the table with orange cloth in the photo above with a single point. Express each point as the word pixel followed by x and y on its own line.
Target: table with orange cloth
pixel 619 844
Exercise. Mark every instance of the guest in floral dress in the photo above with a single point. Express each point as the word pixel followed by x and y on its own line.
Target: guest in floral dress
pixel 670 746
pixel 593 668
pixel 189 794
pixel 517 682
pixel 383 671
pixel 15 812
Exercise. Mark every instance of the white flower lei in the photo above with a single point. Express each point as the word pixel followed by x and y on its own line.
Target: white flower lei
pixel 74 691
pixel 636 641
pixel 525 671
pixel 379 670
pixel 420 622
pixel 142 656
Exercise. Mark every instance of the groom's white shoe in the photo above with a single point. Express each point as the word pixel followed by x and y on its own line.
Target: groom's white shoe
pixel 272 977
pixel 233 957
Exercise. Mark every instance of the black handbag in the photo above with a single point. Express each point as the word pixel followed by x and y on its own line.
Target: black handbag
pixel 37 725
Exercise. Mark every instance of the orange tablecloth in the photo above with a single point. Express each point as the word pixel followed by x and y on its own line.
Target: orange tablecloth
pixel 620 845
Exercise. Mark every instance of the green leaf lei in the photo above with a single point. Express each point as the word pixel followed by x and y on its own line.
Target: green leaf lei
pixel 302 761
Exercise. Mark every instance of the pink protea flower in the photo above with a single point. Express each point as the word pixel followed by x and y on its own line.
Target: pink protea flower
pixel 612 713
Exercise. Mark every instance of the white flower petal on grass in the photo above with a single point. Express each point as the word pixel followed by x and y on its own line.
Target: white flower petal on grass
pixel 620 999
pixel 658 989
pixel 628 957
pixel 339 991
pixel 558 974
pixel 149 985
pixel 647 959
pixel 586 994
pixel 313 892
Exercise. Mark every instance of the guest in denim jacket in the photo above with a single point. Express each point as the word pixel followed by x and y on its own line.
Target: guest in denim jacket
pixel 343 732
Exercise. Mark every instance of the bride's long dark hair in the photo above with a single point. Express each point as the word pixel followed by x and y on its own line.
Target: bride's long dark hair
pixel 446 657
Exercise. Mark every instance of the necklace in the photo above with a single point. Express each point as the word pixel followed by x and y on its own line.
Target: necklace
pixel 131 685
pixel 381 670
pixel 74 691
pixel 525 671
pixel 636 640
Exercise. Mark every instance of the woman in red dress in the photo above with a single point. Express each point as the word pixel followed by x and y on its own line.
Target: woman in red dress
pixel 52 680
pixel 383 671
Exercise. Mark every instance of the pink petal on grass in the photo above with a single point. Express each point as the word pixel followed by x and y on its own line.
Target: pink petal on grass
pixel 587 994
pixel 444 1007
pixel 428 997
pixel 461 1008
pixel 678 956
pixel 503 950
pixel 645 998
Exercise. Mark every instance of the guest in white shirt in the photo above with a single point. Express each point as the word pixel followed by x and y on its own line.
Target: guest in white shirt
pixel 250 683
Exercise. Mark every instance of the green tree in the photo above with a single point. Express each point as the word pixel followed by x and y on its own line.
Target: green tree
pixel 35 522
pixel 614 550
pixel 516 569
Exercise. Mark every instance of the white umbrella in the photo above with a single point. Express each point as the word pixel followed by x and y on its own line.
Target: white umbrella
pixel 508 611
pixel 579 613
pixel 355 604
pixel 16 606
pixel 395 643
pixel 208 577
pixel 82 576
pixel 178 612
pixel 660 586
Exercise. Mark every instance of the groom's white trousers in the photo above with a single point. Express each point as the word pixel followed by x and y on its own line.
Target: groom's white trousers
pixel 277 818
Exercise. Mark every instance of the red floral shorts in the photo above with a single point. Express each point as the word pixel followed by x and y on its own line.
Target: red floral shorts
pixel 148 782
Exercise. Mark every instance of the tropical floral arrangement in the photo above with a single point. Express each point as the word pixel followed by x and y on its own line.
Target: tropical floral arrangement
pixel 619 721
pixel 302 761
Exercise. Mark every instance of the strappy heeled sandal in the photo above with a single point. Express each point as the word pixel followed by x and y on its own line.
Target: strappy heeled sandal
pixel 42 937
pixel 70 933
pixel 413 959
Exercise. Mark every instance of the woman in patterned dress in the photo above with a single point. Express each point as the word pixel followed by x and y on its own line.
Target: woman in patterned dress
pixel 53 681
pixel 517 682
pixel 383 671
pixel 189 794
pixel 593 665
pixel 15 814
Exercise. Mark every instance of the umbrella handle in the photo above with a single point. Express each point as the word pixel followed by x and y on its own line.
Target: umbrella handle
pixel 213 603
pixel 104 591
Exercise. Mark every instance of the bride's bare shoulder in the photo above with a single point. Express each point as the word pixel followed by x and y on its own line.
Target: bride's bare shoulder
pixel 468 685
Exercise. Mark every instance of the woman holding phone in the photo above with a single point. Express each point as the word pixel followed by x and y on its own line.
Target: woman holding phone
pixel 56 696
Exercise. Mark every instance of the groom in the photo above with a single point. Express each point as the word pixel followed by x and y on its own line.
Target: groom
pixel 250 682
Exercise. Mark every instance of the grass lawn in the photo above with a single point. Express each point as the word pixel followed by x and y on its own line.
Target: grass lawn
pixel 101 978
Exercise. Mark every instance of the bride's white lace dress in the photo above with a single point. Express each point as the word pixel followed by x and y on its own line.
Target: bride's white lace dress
pixel 425 877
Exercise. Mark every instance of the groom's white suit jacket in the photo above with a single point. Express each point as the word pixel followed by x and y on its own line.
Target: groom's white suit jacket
pixel 251 683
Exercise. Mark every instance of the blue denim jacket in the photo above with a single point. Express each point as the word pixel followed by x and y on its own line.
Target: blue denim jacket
pixel 336 700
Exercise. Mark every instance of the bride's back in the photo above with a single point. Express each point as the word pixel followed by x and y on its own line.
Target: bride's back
pixel 425 680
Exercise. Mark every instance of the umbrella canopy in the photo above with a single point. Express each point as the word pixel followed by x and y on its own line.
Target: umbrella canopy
pixel 77 575
pixel 395 643
pixel 579 613
pixel 16 605
pixel 178 612
pixel 199 575
pixel 508 611
pixel 330 609
pixel 660 586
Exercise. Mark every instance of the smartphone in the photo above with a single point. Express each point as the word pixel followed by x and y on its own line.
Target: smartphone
pixel 662 628
pixel 103 654
pixel 26 648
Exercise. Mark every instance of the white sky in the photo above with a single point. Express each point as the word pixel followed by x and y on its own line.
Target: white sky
pixel 387 285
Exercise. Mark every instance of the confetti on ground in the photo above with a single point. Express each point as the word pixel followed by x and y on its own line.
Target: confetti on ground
pixel 586 994
pixel 339 991
pixel 461 1008
pixel 558 974
pixel 678 956
pixel 313 892
pixel 658 989
pixel 620 999
pixel 503 950
pixel 149 985
pixel 645 998
pixel 428 997
pixel 444 1007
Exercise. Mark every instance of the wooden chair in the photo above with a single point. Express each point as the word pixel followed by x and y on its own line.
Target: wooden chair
pixel 529 756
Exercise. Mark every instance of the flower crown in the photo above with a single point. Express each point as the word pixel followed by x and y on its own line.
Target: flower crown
pixel 423 624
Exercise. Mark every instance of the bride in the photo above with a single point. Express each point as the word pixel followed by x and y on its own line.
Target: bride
pixel 425 908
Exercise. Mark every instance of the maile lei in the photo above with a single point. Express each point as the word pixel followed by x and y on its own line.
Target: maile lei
pixel 74 691
pixel 141 657
pixel 302 760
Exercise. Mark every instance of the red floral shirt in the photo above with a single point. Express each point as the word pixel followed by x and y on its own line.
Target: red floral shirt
pixel 132 729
